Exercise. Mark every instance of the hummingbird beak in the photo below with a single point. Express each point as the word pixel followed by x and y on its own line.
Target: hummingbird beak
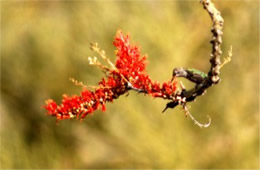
pixel 173 78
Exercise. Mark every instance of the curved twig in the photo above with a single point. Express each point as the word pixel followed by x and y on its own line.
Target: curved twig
pixel 187 112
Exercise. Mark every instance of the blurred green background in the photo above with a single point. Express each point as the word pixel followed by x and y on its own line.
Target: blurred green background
pixel 43 43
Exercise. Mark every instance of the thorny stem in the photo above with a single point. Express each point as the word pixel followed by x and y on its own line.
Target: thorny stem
pixel 216 41
pixel 203 83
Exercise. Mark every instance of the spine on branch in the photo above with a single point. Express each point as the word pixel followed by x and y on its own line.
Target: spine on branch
pixel 216 41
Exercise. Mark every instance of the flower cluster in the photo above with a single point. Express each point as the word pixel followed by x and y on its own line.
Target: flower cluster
pixel 132 66
pixel 128 73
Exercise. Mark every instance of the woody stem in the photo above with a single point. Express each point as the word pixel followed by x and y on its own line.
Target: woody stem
pixel 213 75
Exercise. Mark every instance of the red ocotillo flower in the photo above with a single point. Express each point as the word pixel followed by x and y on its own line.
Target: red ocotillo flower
pixel 128 73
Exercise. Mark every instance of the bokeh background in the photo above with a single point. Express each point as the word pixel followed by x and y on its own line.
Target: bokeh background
pixel 43 43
